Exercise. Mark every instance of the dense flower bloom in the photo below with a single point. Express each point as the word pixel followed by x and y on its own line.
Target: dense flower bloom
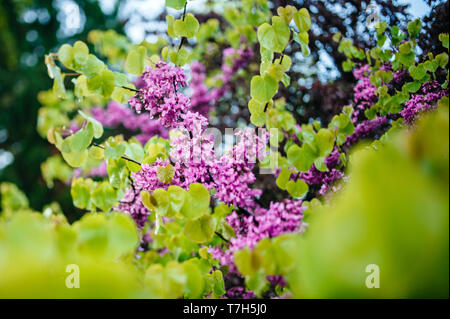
pixel 239 293
pixel 131 204
pixel 363 92
pixel 365 129
pixel 160 93
pixel 281 217
pixel 426 101
pixel 232 174
pixel 147 177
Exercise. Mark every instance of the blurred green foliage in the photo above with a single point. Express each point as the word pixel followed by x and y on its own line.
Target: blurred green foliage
pixel 393 212
pixel 29 29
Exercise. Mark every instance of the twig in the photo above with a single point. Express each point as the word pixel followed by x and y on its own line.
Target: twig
pixel 123 157
pixel 131 89
pixel 221 237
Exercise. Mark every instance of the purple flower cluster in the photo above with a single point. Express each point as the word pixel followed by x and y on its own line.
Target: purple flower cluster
pixel 325 180
pixel 364 91
pixel 281 217
pixel 117 114
pixel 365 129
pixel 421 102
pixel 131 204
pixel 232 174
pixel 160 93
pixel 192 149
pixel 195 161
pixel 239 293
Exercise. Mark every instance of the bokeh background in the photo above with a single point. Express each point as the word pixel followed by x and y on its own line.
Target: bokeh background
pixel 31 28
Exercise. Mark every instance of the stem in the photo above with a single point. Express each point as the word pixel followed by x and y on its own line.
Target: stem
pixel 123 157
pixel 71 73
pixel 184 10
pixel 183 17
pixel 131 89
pixel 181 43
pixel 221 237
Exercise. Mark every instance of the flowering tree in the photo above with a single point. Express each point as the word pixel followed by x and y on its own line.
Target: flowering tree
pixel 134 128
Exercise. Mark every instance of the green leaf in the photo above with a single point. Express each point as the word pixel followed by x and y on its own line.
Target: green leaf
pixel 414 28
pixel 258 119
pixel 287 13
pixel 297 189
pixel 200 230
pixel 411 87
pixel 123 235
pixel 417 72
pixel 186 28
pixel 226 230
pixel 302 20
pixel 324 140
pixel 286 80
pixel 283 178
pixel 283 247
pixel 196 202
pixel 136 152
pixel 194 281
pixel 282 31
pixel 177 196
pixel 12 198
pixel 443 37
pixel 176 4
pixel 96 125
pixel 165 174
pixel 255 107
pixel 117 172
pixel 160 199
pixel 80 191
pixel 244 261
pixel 80 53
pixel 319 163
pixel 263 89
pixel 102 83
pixel 405 48
pixel 265 253
pixel 274 37
pixel 65 55
pixel 347 65
pixel 170 30
pixel 442 59
pixel 92 234
pixel 302 158
pixel 115 151
pixel 79 141
pixel 104 197
pixel 135 62
pixel 92 67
